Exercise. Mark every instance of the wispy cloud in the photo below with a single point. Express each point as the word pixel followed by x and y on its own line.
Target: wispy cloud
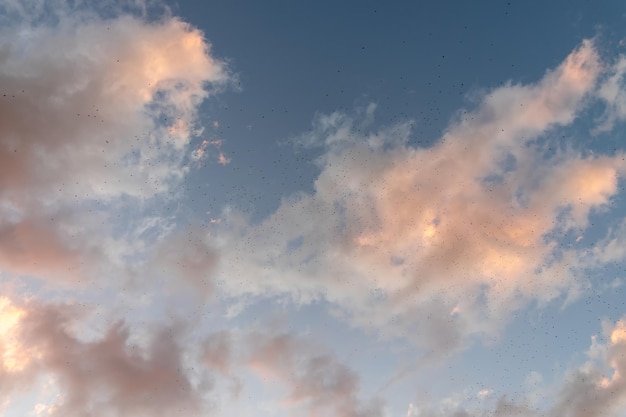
pixel 596 388
pixel 201 152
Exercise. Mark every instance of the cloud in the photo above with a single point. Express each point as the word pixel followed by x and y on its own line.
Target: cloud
pixel 201 153
pixel 218 351
pixel 181 256
pixel 484 393
pixel 97 112
pixel 53 352
pixel 39 247
pixel 104 376
pixel 318 384
pixel 105 84
pixel 223 159
pixel 398 237
pixel 612 93
pixel 596 388
pixel 610 249
pixel 14 358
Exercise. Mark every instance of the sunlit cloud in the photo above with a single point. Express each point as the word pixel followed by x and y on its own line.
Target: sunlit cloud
pixel 94 111
pixel 162 368
pixel 201 152
pixel 124 294
pixel 107 376
pixel 470 225
pixel 13 358
pixel 222 159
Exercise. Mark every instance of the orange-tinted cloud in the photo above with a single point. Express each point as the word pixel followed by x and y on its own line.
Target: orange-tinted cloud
pixel 93 111
pixel 159 369
pixel 399 236
pixel 110 375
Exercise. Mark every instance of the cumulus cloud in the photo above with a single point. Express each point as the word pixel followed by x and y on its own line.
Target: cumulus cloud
pixel 83 102
pixel 161 369
pixel 435 244
pixel 110 375
pixel 96 109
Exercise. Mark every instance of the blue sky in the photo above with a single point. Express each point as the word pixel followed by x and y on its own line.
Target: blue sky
pixel 312 209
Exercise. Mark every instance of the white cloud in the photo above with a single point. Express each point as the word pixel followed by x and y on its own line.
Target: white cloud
pixel 97 114
pixel 431 244
pixel 397 237
pixel 484 393
pixel 611 91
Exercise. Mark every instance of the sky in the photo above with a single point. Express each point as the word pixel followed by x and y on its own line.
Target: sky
pixel 312 209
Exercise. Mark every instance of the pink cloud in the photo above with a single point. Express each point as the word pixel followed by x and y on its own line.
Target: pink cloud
pixel 107 376
pixel 97 111
pixel 201 152
pixel 317 383
pixel 394 234
pixel 157 369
